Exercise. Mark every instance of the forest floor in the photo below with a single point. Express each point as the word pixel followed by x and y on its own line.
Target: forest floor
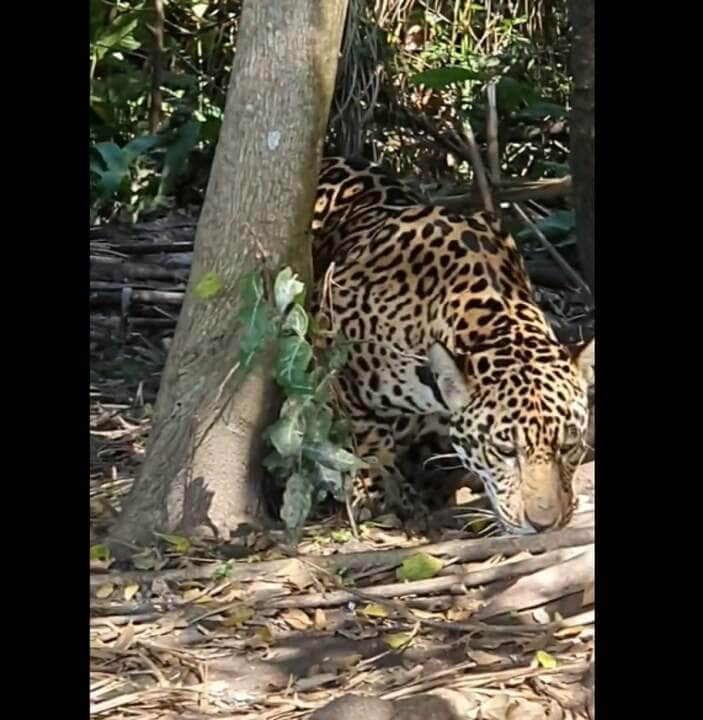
pixel 451 625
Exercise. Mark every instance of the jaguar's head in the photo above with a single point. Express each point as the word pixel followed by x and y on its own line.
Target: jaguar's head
pixel 520 426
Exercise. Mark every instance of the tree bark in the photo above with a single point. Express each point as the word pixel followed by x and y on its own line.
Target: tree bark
pixel 203 463
pixel 582 130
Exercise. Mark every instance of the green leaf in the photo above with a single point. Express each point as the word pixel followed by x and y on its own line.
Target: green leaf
pixel 139 146
pixel 285 289
pixel 419 566
pixel 223 571
pixel 208 286
pixel 297 501
pixel 257 327
pixel 333 457
pixel 254 315
pixel 557 169
pixel 296 321
pixel 286 435
pixel 556 226
pixel 114 158
pixel 439 78
pixel 342 535
pixel 541 110
pixel 174 160
pixel 116 35
pixel 396 641
pixel 546 660
pixel 375 610
pixel 292 360
pixel 318 421
pixel 100 552
pixel 278 465
pixel 340 432
pixel 252 290
pixel 330 481
pixel 178 543
pixel 109 182
pixel 512 93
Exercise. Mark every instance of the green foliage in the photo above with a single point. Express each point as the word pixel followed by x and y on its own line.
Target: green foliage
pixel 309 441
pixel 557 227
pixel 419 566
pixel 442 77
pixel 461 47
pixel 196 63
pixel 208 286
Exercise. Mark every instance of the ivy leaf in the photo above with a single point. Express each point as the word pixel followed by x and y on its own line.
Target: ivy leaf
pixel 286 436
pixel 296 321
pixel 419 566
pixel 331 481
pixel 252 289
pixel 340 432
pixel 255 317
pixel 294 355
pixel 277 464
pixel 318 421
pixel 297 501
pixel 333 457
pixel 285 289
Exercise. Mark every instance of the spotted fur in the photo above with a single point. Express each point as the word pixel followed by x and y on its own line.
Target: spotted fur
pixel 445 337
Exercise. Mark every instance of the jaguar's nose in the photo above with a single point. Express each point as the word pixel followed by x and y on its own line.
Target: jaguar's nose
pixel 542 515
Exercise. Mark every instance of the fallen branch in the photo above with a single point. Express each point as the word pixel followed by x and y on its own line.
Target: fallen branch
pixel 507 191
pixel 461 550
pixel 147 248
pixel 549 584
pixel 115 268
pixel 112 295
pixel 456 583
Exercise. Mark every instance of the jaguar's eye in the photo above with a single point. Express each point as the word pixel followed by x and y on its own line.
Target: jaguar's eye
pixel 572 439
pixel 507 451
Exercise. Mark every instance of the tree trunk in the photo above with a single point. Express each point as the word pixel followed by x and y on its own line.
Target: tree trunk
pixel 582 129
pixel 203 463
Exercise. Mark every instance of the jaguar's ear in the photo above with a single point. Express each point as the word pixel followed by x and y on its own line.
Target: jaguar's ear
pixel 449 377
pixel 584 358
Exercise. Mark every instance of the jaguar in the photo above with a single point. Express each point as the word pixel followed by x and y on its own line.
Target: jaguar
pixel 444 337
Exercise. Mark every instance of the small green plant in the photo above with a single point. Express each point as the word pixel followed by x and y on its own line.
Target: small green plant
pixel 110 164
pixel 310 439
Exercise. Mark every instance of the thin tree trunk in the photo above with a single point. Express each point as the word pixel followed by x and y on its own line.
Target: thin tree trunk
pixel 582 130
pixel 203 464
pixel 157 58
